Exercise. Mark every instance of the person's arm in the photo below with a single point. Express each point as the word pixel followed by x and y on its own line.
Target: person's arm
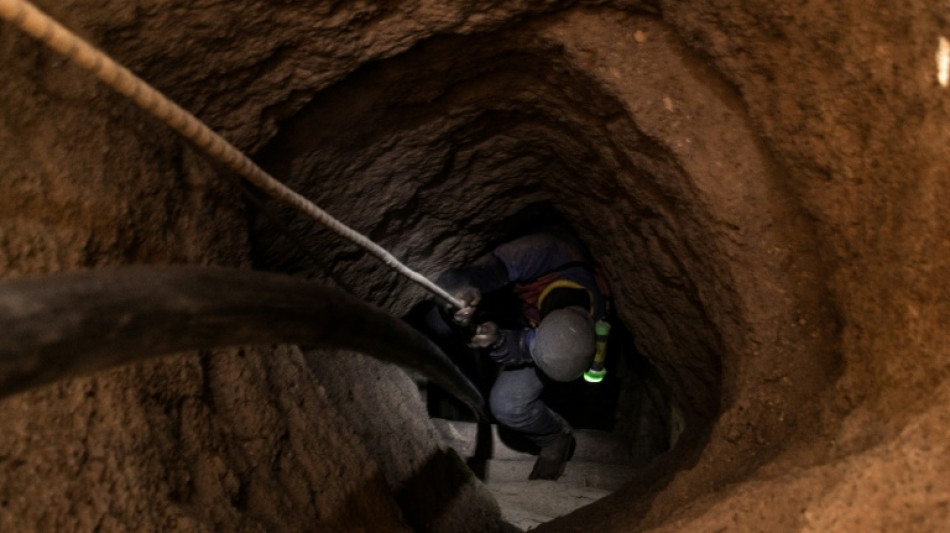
pixel 485 274
pixel 506 347
pixel 511 348
pixel 468 284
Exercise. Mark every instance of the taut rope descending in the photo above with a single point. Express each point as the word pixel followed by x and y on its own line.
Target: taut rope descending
pixel 34 22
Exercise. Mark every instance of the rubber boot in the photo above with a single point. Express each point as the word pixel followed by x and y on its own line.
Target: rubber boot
pixel 553 458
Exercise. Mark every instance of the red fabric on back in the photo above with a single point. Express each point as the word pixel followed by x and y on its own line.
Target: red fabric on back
pixel 529 293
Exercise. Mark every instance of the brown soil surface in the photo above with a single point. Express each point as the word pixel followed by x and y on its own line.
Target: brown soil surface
pixel 765 186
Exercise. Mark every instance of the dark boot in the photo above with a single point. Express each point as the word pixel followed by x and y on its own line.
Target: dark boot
pixel 553 458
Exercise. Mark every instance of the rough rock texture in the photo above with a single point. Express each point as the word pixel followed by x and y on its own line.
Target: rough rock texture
pixel 663 178
pixel 764 184
pixel 239 440
pixel 433 487
pixel 193 444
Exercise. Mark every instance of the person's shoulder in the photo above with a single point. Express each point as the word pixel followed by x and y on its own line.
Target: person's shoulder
pixel 547 235
pixel 531 244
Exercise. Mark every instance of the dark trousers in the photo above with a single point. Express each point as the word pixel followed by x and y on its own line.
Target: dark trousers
pixel 515 397
pixel 515 401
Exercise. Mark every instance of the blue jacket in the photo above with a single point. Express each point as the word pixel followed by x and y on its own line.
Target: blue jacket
pixel 532 265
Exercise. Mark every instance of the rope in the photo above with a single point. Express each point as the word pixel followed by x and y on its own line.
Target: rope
pixel 37 24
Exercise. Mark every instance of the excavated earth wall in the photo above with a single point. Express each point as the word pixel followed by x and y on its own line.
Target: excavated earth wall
pixel 764 186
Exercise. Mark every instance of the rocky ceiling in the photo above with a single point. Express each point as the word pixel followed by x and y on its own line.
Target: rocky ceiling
pixel 764 186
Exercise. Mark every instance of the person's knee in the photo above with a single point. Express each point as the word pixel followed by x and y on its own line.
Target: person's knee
pixel 509 411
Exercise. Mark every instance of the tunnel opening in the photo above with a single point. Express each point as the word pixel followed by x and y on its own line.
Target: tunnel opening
pixel 621 423
pixel 435 152
pixel 632 400
pixel 448 147
pixel 792 308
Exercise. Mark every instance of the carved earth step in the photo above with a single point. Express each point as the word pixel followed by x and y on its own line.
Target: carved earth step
pixel 592 446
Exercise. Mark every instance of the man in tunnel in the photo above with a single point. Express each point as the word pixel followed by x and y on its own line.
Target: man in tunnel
pixel 552 337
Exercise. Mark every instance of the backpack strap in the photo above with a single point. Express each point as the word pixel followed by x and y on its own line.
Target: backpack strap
pixel 566 284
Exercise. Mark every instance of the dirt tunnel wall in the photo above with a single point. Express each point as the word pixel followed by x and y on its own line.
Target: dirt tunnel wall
pixel 762 186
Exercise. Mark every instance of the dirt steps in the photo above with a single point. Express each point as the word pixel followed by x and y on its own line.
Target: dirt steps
pixel 527 504
pixel 601 464
pixel 592 446
pixel 586 474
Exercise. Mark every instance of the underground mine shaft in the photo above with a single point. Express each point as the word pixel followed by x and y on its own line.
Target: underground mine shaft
pixel 763 185
pixel 496 159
